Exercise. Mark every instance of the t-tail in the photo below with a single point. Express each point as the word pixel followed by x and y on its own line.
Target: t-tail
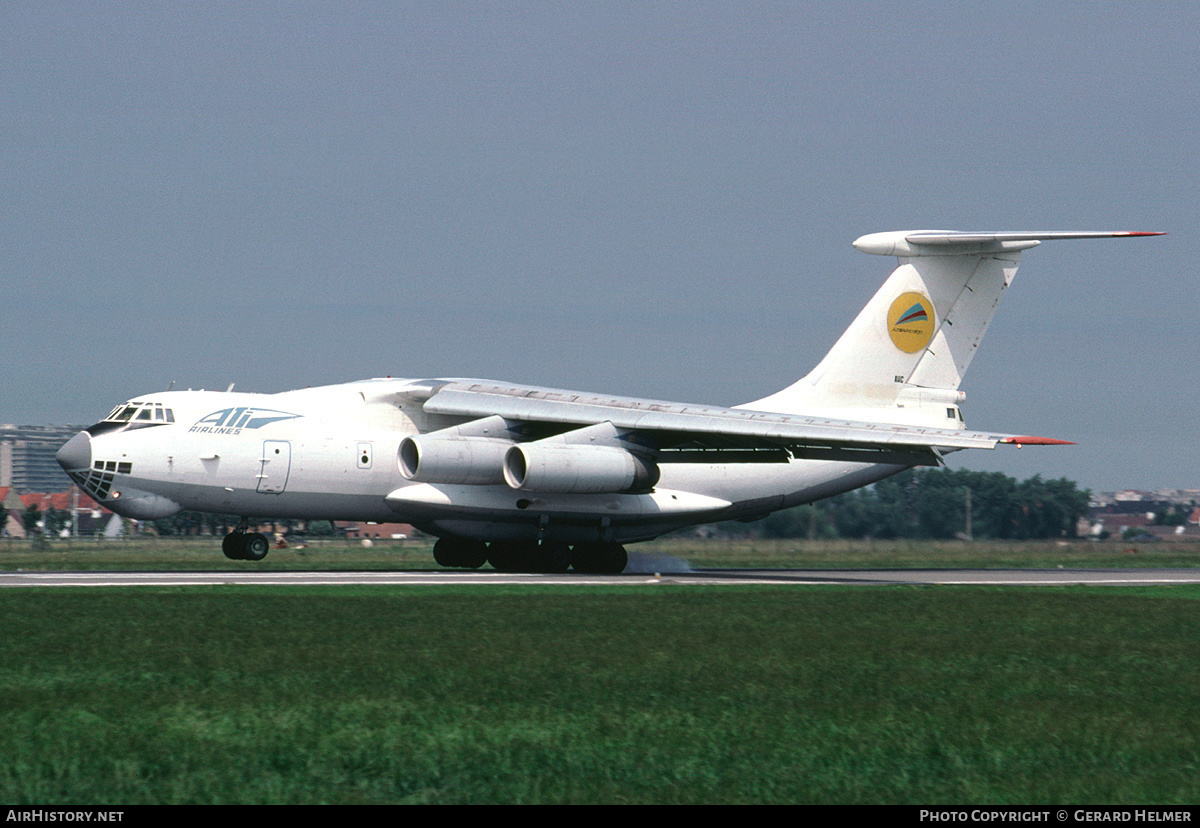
pixel 904 356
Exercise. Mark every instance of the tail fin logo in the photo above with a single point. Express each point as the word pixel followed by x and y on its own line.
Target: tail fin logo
pixel 911 322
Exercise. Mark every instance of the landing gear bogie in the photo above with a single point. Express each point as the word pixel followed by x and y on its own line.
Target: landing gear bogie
pixel 547 557
pixel 553 557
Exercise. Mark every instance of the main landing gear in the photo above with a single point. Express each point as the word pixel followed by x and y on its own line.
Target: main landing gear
pixel 240 545
pixel 529 556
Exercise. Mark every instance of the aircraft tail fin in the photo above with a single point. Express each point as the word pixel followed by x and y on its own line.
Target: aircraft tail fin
pixel 904 356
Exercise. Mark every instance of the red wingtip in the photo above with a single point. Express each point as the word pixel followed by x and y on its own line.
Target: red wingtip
pixel 1036 441
pixel 1142 233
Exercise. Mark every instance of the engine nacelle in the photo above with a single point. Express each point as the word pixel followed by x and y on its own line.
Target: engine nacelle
pixel 581 469
pixel 466 460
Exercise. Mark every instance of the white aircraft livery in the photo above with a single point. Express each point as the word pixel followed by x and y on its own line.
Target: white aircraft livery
pixel 542 479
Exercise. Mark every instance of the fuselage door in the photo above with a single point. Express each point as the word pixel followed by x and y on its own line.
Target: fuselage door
pixel 276 464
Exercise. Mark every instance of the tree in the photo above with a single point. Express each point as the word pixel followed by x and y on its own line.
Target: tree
pixel 31 518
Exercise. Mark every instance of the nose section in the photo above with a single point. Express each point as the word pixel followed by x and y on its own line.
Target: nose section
pixel 76 453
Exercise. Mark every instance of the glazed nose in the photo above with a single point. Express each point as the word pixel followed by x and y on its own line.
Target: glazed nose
pixel 76 453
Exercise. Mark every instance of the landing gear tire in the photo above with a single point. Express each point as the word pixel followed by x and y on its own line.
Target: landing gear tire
pixel 240 546
pixel 508 556
pixel 232 546
pixel 255 547
pixel 599 558
pixel 546 558
pixel 461 553
pixel 551 557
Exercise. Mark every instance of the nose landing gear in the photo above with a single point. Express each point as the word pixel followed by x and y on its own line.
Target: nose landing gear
pixel 240 545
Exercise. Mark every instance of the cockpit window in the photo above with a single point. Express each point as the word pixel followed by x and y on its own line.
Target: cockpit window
pixel 133 415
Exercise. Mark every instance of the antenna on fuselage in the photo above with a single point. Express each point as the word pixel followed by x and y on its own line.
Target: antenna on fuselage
pixel 230 388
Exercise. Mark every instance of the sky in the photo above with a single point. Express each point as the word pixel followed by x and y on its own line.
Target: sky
pixel 643 199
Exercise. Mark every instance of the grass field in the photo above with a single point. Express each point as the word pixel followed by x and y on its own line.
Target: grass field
pixel 654 694
pixel 204 553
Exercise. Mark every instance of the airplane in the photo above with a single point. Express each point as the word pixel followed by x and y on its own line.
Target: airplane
pixel 535 479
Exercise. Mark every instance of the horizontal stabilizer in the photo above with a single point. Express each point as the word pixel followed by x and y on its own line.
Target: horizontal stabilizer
pixel 950 242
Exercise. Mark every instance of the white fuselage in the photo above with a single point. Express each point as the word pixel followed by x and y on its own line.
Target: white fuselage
pixel 331 453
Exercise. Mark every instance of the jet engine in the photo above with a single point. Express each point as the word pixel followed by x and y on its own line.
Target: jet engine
pixel 464 460
pixel 580 469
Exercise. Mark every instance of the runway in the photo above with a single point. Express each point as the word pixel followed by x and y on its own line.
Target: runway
pixel 796 577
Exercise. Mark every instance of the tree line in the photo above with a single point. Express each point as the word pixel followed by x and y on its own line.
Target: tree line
pixel 934 503
pixel 917 504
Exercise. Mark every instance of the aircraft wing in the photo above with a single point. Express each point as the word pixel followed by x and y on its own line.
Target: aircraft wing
pixel 692 432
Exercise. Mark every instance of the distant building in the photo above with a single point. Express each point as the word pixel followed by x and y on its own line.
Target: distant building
pixel 381 531
pixel 13 508
pixel 27 461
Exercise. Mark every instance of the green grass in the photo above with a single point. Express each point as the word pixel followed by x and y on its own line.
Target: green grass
pixel 656 694
pixel 203 553
pixel 915 554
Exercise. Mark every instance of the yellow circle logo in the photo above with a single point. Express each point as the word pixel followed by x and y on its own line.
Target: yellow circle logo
pixel 910 322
